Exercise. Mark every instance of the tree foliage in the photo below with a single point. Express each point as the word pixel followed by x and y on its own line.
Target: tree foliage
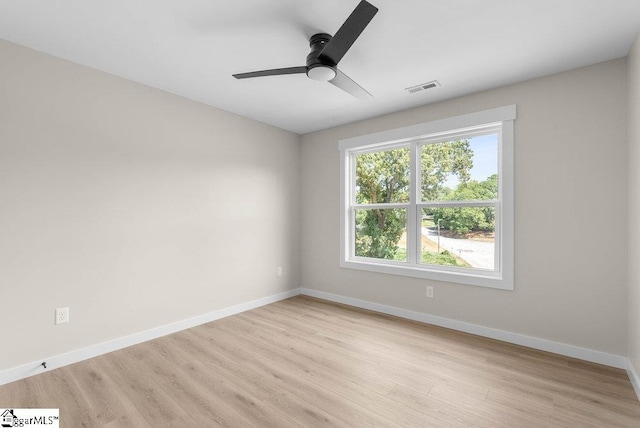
pixel 379 241
pixel 439 161
pixel 463 220
pixel 383 177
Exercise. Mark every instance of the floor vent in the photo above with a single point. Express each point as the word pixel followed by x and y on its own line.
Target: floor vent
pixel 423 87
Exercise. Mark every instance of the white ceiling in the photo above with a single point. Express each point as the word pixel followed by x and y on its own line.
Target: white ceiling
pixel 192 47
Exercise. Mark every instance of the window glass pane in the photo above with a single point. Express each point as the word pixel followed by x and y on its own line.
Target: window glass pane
pixel 460 170
pixel 379 234
pixel 459 236
pixel 382 177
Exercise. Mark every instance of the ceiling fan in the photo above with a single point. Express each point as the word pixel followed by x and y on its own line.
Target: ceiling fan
pixel 326 53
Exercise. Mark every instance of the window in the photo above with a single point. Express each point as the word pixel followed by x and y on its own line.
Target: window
pixel 432 201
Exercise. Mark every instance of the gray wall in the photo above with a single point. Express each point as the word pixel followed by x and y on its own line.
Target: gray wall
pixel 570 214
pixel 634 204
pixel 133 207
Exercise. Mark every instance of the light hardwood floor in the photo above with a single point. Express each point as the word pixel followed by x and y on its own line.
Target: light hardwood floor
pixel 307 362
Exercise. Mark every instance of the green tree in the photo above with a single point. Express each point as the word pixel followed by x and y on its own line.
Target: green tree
pixel 439 161
pixel 463 220
pixel 383 177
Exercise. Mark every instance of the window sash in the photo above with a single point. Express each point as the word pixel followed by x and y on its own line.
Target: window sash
pixel 415 204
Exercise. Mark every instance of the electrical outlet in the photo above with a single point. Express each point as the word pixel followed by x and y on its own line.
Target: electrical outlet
pixel 279 270
pixel 429 292
pixel 62 315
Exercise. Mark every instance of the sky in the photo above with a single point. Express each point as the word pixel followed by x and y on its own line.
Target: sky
pixel 485 159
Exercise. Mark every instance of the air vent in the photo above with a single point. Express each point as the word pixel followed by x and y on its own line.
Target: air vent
pixel 423 87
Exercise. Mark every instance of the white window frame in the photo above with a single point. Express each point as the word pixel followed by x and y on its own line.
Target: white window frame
pixel 498 120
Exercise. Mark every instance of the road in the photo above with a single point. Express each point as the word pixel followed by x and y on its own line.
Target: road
pixel 478 254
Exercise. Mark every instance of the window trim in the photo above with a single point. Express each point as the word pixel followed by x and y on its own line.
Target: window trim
pixel 503 276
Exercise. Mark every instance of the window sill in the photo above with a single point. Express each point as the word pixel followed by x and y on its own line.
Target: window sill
pixel 490 279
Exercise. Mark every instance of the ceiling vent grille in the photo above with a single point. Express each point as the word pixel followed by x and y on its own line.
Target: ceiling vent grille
pixel 423 87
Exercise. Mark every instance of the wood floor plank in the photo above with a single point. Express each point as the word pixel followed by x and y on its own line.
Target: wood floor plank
pixel 309 362
pixel 132 419
pixel 57 390
pixel 142 391
pixel 24 393
pixel 106 401
pixel 267 359
pixel 285 387
pixel 203 407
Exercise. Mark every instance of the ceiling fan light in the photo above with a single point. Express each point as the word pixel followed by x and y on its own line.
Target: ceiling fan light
pixel 321 73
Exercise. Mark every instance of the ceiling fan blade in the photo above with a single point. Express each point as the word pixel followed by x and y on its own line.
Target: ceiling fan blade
pixel 349 32
pixel 345 83
pixel 272 72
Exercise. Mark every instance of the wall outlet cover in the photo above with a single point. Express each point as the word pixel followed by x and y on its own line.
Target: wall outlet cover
pixel 62 315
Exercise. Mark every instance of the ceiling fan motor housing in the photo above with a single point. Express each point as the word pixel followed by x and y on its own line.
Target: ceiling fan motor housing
pixel 318 69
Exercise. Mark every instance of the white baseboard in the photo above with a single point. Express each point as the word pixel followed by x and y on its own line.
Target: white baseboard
pixel 634 378
pixel 56 361
pixel 586 354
